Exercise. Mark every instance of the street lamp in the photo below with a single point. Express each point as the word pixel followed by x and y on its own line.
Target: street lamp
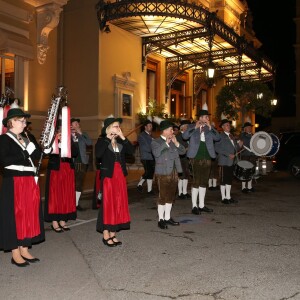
pixel 274 102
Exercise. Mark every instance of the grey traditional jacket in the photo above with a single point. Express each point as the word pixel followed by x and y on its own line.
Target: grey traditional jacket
pixel 145 141
pixel 224 147
pixel 83 141
pixel 166 157
pixel 193 135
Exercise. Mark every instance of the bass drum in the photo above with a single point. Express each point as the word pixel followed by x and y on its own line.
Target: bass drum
pixel 261 143
pixel 244 170
pixel 275 145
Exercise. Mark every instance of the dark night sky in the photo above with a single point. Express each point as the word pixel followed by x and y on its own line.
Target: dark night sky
pixel 273 24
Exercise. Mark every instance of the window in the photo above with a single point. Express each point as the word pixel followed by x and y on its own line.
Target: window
pixel 7 73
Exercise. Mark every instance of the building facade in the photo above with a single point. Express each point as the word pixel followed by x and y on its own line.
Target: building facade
pixel 111 61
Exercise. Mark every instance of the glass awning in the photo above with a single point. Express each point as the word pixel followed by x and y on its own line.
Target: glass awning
pixel 188 36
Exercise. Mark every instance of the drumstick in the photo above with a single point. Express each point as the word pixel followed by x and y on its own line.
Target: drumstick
pixel 239 152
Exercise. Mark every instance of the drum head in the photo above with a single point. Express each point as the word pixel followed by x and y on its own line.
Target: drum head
pixel 245 164
pixel 275 146
pixel 261 143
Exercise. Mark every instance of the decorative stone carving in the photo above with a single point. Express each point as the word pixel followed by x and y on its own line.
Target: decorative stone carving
pixel 47 20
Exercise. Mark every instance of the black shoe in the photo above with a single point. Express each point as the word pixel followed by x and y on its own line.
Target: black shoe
pixel 206 209
pixel 79 208
pixel 251 190
pixel 187 196
pixel 216 188
pixel 195 211
pixel 172 222
pixel 57 230
pixel 139 188
pixel 245 190
pixel 116 242
pixel 64 228
pixel 231 200
pixel 225 201
pixel 151 193
pixel 24 264
pixel 105 242
pixel 162 224
pixel 181 196
pixel 211 188
pixel 31 260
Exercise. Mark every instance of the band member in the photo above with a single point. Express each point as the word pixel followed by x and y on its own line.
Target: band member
pixel 166 150
pixel 144 139
pixel 185 175
pixel 81 141
pixel 227 149
pixel 246 136
pixel 113 213
pixel 60 200
pixel 21 223
pixel 202 136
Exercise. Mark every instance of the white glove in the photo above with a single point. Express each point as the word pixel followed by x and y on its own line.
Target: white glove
pixel 30 147
pixel 47 150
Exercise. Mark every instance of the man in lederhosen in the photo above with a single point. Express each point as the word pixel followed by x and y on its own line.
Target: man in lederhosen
pixel 201 150
pixel 166 150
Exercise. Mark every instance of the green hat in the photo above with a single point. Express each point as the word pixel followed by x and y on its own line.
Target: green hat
pixel 14 112
pixel 165 124
pixel 75 120
pixel 247 124
pixel 203 112
pixel 224 121
pixel 109 121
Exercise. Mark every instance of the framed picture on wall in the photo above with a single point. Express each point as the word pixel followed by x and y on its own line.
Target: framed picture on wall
pixel 126 104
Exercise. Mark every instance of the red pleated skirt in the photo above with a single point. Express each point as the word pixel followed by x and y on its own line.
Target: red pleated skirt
pixel 27 207
pixel 62 199
pixel 115 198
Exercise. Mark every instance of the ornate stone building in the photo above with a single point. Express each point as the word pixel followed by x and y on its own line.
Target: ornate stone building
pixel 114 56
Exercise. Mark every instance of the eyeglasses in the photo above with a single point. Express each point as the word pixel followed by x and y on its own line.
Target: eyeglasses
pixel 22 121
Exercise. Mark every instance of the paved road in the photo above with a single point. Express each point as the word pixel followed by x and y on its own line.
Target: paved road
pixel 248 250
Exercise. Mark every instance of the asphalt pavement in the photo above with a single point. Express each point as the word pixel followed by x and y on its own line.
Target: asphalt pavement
pixel 248 250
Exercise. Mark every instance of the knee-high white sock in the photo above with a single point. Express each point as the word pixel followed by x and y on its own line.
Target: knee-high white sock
pixel 168 211
pixel 202 192
pixel 184 186
pixel 222 188
pixel 250 184
pixel 161 212
pixel 180 186
pixel 209 182
pixel 142 180
pixel 77 197
pixel 243 185
pixel 214 182
pixel 228 189
pixel 149 184
pixel 194 197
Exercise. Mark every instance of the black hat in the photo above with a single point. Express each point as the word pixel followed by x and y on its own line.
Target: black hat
pixel 75 120
pixel 184 122
pixel 147 122
pixel 14 112
pixel 165 124
pixel 203 112
pixel 247 124
pixel 108 121
pixel 224 121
